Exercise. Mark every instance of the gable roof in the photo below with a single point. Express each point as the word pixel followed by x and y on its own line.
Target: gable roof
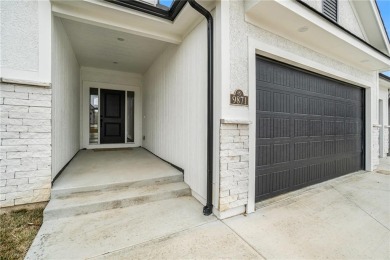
pixel 383 22
pixel 372 23
pixel 372 18
pixel 385 77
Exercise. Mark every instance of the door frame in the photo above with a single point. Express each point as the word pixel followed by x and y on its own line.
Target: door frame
pixel 85 114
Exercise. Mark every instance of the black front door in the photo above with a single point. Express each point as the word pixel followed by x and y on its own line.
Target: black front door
pixel 112 116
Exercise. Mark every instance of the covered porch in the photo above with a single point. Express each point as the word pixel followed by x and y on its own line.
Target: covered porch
pixel 122 80
pixel 101 169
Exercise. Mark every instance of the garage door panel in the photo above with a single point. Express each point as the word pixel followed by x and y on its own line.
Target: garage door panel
pixel 301 150
pixel 301 128
pixel 264 155
pixel 315 127
pixel 271 127
pixel 329 147
pixel 309 128
pixel 265 100
pixel 353 127
pixel 301 105
pixel 273 182
pixel 266 127
pixel 280 153
pixel 340 146
pixel 316 149
pixel 281 127
pixel 281 103
pixel 316 106
pixel 353 111
pixel 329 127
pixel 268 162
pixel 340 109
pixel 271 87
pixel 302 175
pixel 353 144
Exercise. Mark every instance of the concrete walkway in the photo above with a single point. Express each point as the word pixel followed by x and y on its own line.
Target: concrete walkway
pixel 345 218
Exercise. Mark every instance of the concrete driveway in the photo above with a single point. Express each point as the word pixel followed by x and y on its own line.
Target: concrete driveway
pixel 345 218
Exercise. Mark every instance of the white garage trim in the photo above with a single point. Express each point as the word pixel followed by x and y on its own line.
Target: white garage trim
pixel 257 47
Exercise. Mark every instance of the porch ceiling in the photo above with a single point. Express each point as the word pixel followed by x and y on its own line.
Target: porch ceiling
pixel 100 47
pixel 113 16
pixel 310 30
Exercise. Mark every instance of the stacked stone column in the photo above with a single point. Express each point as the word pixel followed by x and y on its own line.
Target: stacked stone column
pixel 234 166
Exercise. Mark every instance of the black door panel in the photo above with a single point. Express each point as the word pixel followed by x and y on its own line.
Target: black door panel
pixel 112 116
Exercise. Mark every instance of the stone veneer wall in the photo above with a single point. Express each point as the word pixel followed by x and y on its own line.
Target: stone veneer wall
pixel 25 135
pixel 386 140
pixel 375 147
pixel 234 166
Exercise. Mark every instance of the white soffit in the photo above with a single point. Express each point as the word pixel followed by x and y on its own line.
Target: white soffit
pixel 100 47
pixel 372 24
pixel 112 16
pixel 288 18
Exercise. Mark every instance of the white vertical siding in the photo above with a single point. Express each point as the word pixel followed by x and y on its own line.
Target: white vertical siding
pixel 111 76
pixel 66 99
pixel 175 107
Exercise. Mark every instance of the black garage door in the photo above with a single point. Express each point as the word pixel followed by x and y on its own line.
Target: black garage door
pixel 309 128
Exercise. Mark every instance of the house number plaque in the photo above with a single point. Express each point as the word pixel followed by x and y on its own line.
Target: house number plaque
pixel 238 98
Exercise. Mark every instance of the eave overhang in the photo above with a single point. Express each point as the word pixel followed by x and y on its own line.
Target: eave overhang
pixel 116 17
pixel 288 18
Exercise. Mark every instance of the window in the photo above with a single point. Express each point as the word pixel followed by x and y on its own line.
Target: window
pixel 167 9
pixel 329 8
pixel 130 117
pixel 93 115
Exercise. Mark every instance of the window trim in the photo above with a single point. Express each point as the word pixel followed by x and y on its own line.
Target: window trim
pixel 170 14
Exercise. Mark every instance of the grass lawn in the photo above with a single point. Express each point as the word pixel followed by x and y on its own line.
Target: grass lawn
pixel 17 231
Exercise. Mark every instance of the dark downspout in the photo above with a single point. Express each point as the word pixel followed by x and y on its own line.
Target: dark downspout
pixel 208 209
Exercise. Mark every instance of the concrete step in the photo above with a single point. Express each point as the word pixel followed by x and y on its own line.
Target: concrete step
pixel 89 202
pixel 91 235
pixel 69 191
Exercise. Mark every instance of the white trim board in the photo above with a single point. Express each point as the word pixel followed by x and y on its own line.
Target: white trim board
pixel 137 115
pixel 26 82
